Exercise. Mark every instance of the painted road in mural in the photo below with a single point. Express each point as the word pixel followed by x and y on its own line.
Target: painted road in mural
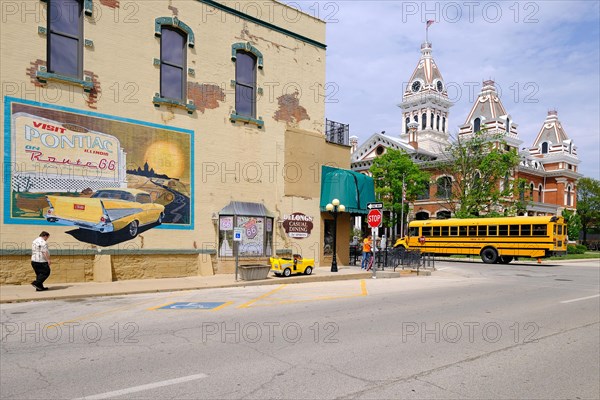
pixel 177 210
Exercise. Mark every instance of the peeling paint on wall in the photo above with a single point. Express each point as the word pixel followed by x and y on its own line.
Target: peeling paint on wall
pixel 110 3
pixel 205 96
pixel 290 109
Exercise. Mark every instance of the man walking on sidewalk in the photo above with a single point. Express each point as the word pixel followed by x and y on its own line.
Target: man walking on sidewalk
pixel 40 261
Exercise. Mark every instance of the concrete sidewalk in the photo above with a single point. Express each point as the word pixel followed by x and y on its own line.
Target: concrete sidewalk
pixel 57 291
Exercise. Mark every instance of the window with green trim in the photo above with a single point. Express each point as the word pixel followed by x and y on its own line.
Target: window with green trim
pixel 65 37
pixel 245 84
pixel 173 63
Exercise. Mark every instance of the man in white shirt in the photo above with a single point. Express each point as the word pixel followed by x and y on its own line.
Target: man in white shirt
pixel 40 261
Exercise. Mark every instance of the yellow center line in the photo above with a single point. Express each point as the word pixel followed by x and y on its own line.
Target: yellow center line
pixel 249 303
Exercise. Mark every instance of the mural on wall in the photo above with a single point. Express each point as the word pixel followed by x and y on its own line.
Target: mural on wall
pixel 108 177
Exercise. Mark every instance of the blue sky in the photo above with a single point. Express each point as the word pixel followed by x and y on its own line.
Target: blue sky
pixel 542 55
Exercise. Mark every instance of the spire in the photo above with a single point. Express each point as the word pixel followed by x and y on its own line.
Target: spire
pixel 551 131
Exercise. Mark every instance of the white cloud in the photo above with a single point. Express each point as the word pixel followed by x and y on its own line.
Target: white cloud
pixel 542 54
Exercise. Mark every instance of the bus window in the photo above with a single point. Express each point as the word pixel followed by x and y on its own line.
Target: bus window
pixel 462 231
pixel 503 230
pixel 493 230
pixel 514 230
pixel 539 230
pixel 482 230
pixel 413 231
pixel 525 230
pixel 560 230
pixel 472 230
pixel 426 231
pixel 454 231
pixel 436 231
pixel 444 231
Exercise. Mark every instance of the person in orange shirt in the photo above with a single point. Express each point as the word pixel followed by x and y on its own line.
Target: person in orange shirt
pixel 367 243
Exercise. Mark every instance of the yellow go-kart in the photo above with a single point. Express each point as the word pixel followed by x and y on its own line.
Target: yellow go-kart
pixel 288 266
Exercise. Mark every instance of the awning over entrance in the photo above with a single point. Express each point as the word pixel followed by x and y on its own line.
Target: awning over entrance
pixel 354 190
pixel 245 208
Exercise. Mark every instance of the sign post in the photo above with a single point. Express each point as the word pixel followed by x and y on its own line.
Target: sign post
pixel 374 219
pixel 237 238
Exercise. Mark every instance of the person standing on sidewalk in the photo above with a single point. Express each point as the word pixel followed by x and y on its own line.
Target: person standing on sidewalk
pixel 366 253
pixel 40 261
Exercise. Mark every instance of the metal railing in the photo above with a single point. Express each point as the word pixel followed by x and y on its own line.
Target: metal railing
pixel 336 132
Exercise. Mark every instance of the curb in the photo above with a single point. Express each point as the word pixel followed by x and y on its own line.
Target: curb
pixel 264 282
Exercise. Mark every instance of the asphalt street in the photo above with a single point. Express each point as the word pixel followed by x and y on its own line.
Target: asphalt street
pixel 470 330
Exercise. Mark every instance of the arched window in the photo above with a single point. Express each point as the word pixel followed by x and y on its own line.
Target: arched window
pixel 245 84
pixel 444 124
pixel 422 216
pixel 507 125
pixel 569 195
pixel 416 118
pixel 545 148
pixel 424 121
pixel 437 124
pixel 173 63
pixel 425 194
pixel 444 214
pixel 476 125
pixel 65 37
pixel 522 191
pixel 531 191
pixel 540 191
pixel 406 124
pixel 444 187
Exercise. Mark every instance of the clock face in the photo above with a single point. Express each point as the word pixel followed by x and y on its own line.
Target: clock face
pixel 440 86
pixel 416 86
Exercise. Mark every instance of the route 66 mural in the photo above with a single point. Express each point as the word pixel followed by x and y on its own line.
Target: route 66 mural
pixel 106 177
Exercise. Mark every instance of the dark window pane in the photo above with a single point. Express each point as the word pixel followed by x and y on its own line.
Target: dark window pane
pixel 472 230
pixel 539 230
pixel 482 230
pixel 244 100
pixel 64 55
pixel 514 230
pixel 426 231
pixel 444 231
pixel 171 82
pixel 172 47
pixel 65 16
pixel 245 69
pixel 503 230
pixel 413 231
pixel 525 230
pixel 436 231
pixel 453 230
pixel 493 230
pixel 463 231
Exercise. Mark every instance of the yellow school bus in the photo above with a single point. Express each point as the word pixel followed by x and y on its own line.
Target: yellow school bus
pixel 496 240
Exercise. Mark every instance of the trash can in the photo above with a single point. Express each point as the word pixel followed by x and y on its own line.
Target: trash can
pixel 252 272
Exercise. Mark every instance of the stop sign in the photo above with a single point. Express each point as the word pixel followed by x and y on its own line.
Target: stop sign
pixel 374 218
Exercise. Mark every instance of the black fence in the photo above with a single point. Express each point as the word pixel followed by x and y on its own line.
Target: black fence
pixel 391 258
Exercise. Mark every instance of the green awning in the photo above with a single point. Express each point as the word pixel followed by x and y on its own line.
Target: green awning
pixel 354 190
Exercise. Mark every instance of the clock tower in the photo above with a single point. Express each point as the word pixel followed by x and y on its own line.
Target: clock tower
pixel 425 101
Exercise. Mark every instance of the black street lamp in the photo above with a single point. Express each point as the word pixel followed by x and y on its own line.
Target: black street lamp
pixel 334 209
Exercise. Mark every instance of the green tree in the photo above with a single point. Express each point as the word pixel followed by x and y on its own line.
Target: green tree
pixel 588 204
pixel 480 166
pixel 388 172
pixel 573 224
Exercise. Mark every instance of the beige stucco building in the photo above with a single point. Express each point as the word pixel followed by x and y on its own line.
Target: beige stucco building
pixel 211 107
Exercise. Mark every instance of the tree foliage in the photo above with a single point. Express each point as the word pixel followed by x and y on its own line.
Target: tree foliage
pixel 588 204
pixel 388 171
pixel 480 166
pixel 573 222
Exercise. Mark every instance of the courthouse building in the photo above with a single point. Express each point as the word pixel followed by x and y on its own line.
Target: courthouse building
pixel 214 109
pixel 548 166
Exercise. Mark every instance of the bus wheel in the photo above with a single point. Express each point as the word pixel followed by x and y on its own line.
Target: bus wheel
pixel 505 259
pixel 489 255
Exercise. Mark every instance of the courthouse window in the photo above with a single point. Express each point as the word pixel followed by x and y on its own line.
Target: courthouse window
pixel 65 37
pixel 173 64
pixel 245 84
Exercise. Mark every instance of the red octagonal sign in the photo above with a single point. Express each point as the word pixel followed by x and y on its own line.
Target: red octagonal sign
pixel 374 218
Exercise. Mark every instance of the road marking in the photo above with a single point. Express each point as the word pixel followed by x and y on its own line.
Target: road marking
pixel 581 298
pixel 248 304
pixel 189 305
pixel 141 388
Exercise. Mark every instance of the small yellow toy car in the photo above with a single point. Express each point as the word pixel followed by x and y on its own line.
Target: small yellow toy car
pixel 288 266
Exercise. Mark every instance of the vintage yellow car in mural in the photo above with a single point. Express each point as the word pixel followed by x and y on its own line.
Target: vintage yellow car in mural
pixel 289 266
pixel 107 210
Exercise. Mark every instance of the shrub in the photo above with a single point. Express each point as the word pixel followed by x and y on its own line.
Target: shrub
pixel 576 249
